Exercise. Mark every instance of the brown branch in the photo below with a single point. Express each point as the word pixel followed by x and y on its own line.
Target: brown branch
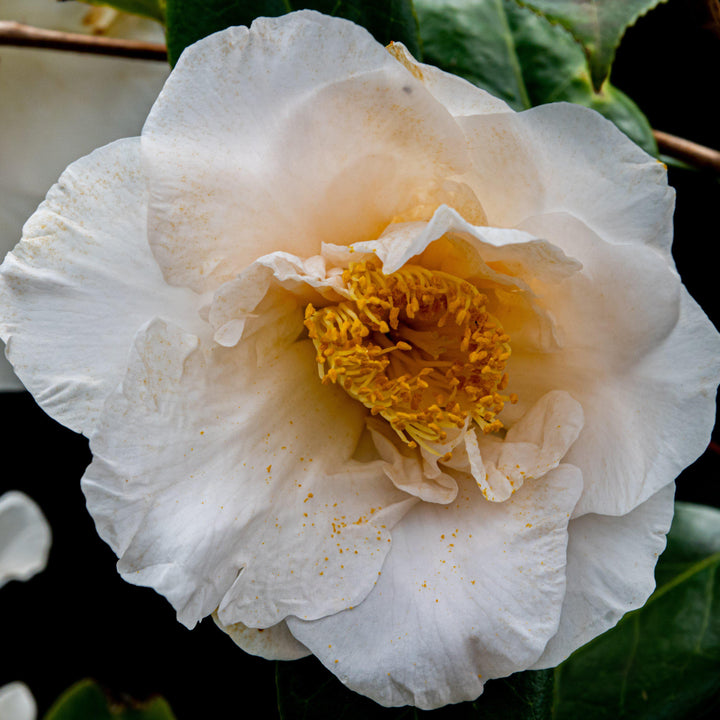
pixel 19 35
pixel 699 156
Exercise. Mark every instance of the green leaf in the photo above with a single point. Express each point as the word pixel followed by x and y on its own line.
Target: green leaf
pixel 598 25
pixel 662 661
pixel 154 9
pixel 522 696
pixel 522 58
pixel 86 701
pixel 190 20
pixel 307 691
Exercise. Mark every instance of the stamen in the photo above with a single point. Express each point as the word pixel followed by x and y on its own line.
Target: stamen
pixel 416 347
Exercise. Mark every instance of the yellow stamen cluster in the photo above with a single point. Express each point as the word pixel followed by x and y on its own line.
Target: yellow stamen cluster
pixel 416 347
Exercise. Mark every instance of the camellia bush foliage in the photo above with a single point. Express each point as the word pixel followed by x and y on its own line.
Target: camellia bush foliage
pixel 384 361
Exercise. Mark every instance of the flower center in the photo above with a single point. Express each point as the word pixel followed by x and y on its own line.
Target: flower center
pixel 416 347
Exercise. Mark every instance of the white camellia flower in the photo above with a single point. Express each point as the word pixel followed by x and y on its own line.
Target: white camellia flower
pixel 17 702
pixel 57 106
pixel 369 361
pixel 24 537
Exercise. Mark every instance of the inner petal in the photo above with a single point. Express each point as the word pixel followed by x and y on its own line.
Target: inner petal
pixel 417 347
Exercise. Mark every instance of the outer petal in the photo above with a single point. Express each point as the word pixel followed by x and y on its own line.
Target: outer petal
pixel 17 702
pixel 325 137
pixel 459 96
pixel 566 158
pixel 641 358
pixel 224 484
pixel 80 284
pixel 611 567
pixel 470 591
pixel 273 643
pixel 87 103
pixel 24 537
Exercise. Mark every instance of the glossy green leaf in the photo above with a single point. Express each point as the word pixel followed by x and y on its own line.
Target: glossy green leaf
pixel 522 58
pixel 307 691
pixel 86 701
pixel 154 9
pixel 598 25
pixel 190 20
pixel 662 661
pixel 522 696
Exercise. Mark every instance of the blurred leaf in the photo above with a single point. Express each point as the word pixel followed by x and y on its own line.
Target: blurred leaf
pixel 154 9
pixel 190 20
pixel 663 660
pixel 86 701
pixel 522 58
pixel 598 25
pixel 307 691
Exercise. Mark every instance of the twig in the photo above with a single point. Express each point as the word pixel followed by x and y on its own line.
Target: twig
pixel 693 154
pixel 19 35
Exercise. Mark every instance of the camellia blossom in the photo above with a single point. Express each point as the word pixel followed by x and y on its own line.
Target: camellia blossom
pixel 368 361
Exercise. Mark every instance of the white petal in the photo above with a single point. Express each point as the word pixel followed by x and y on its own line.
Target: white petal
pixel 470 591
pixel 17 702
pixel 87 101
pixel 273 643
pixel 411 470
pixel 325 137
pixel 459 96
pixel 24 537
pixel 273 290
pixel 224 483
pixel 566 158
pixel 80 284
pixel 641 358
pixel 611 568
pixel 531 448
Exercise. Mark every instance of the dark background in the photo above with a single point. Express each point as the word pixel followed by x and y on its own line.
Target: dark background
pixel 78 619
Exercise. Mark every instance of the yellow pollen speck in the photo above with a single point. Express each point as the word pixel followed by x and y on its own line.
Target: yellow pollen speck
pixel 416 347
pixel 269 468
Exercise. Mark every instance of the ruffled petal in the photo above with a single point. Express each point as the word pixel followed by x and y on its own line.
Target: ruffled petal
pixel 227 484
pixel 319 128
pixel 86 103
pixel 416 472
pixel 17 702
pixel 638 354
pixel 611 570
pixel 517 266
pixel 24 537
pixel 82 281
pixel 566 158
pixel 532 447
pixel 273 643
pixel 470 591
